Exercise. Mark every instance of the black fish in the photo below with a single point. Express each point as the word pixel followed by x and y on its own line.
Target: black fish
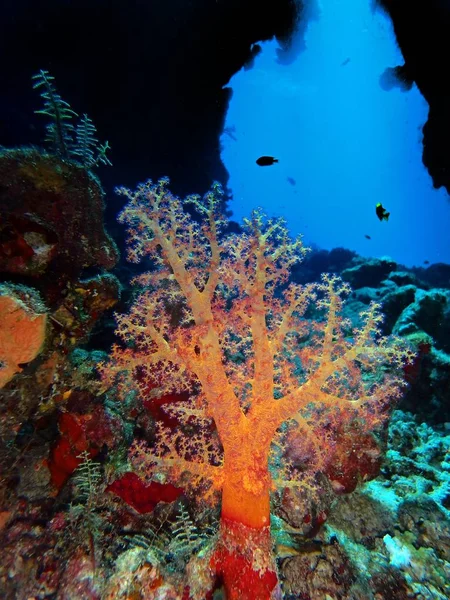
pixel 266 161
pixel 367 237
pixel 291 180
pixel 382 213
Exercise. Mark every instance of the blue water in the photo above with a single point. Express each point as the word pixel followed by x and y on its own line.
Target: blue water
pixel 346 142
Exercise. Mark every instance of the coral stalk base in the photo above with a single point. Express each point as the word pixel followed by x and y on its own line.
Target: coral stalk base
pixel 243 560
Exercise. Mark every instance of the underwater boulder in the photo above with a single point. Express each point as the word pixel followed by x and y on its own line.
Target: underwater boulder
pixel 51 217
pixel 369 273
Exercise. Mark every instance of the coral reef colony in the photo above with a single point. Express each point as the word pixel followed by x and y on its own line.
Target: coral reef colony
pixel 244 419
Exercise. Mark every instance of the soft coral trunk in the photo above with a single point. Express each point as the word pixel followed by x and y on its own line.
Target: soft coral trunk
pixel 243 559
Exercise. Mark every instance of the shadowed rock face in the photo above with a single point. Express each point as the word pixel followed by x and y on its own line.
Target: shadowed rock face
pixel 423 34
pixel 149 74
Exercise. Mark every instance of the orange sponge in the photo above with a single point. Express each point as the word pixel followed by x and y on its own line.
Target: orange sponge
pixel 22 330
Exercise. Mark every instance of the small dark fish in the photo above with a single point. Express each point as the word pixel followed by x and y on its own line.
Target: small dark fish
pixel 345 62
pixel 426 262
pixel 382 213
pixel 367 237
pixel 266 161
pixel 291 180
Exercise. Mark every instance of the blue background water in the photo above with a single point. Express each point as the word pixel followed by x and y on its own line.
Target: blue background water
pixel 347 142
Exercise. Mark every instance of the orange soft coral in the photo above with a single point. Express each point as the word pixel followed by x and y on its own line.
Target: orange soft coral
pixel 22 330
pixel 214 322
